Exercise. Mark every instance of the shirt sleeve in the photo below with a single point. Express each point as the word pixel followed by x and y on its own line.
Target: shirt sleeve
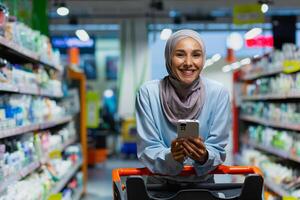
pixel 218 135
pixel 151 149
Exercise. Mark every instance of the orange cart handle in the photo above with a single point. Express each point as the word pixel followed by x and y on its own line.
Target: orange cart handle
pixel 187 170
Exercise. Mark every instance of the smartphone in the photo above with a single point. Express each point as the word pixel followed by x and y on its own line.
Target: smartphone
pixel 187 128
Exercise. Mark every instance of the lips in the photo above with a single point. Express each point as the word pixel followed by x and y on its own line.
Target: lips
pixel 188 72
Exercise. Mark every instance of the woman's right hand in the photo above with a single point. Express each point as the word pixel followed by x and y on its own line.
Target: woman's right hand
pixel 177 150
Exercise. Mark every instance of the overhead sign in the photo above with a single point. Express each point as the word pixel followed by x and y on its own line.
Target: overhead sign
pixel 260 42
pixel 67 42
pixel 247 14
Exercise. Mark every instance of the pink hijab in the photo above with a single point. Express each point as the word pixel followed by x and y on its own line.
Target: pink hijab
pixel 180 101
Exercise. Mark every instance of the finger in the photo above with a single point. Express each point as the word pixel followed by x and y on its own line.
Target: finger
pixel 199 149
pixel 196 141
pixel 179 158
pixel 179 153
pixel 194 151
pixel 190 149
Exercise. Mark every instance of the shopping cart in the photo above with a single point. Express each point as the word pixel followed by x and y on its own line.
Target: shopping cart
pixel 136 189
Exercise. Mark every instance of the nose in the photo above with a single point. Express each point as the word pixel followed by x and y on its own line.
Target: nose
pixel 188 61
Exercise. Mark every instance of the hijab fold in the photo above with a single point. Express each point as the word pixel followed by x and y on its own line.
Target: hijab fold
pixel 178 100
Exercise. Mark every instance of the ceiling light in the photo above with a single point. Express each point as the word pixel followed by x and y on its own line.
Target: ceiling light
pixel 165 34
pixel 235 65
pixel 234 41
pixel 245 61
pixel 264 8
pixel 208 62
pixel 216 57
pixel 226 68
pixel 82 35
pixel 108 93
pixel 253 33
pixel 62 10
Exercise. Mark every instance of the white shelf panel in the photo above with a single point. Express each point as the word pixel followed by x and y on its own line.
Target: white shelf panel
pixel 35 127
pixel 262 74
pixel 272 150
pixel 63 182
pixel 272 97
pixel 31 90
pixel 284 125
pixel 277 189
pixel 18 176
pixel 17 52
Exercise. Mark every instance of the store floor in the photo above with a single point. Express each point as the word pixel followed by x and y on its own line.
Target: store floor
pixel 100 181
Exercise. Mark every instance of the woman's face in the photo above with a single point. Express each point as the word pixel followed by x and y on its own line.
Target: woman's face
pixel 187 60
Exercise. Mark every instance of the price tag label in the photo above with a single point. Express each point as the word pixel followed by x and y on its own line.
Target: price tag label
pixel 289 198
pixel 55 196
pixel 55 154
pixel 291 66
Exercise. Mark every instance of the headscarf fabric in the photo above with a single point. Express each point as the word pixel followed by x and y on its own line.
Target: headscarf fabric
pixel 178 100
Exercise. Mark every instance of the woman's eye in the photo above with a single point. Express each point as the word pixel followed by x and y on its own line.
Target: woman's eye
pixel 179 54
pixel 197 55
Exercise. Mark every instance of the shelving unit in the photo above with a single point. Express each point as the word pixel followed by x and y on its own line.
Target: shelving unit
pixel 261 74
pixel 19 175
pixel 275 124
pixel 277 189
pixel 33 127
pixel 63 181
pixel 5 87
pixel 271 150
pixel 241 121
pixel 16 54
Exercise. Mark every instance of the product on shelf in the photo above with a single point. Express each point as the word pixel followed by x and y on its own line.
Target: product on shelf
pixel 33 40
pixel 286 177
pixel 19 153
pixel 272 61
pixel 283 84
pixel 279 112
pixel 19 110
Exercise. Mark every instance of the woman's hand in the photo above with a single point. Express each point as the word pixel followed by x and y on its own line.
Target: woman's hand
pixel 195 149
pixel 177 150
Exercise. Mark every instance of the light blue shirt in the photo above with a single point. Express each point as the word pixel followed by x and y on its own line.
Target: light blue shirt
pixel 156 133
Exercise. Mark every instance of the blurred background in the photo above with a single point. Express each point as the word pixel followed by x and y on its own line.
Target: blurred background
pixel 70 70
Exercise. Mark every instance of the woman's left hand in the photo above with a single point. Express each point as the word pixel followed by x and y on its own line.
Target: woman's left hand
pixel 195 149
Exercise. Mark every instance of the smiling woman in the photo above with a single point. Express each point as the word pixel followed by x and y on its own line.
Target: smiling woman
pixel 183 94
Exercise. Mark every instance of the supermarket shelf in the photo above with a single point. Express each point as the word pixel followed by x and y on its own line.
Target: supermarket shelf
pixel 61 148
pixel 18 130
pixel 29 128
pixel 275 188
pixel 262 74
pixel 62 183
pixel 78 194
pixel 18 176
pixel 294 127
pixel 267 182
pixel 16 53
pixel 272 150
pixel 272 97
pixel 49 94
pixel 5 87
pixel 55 122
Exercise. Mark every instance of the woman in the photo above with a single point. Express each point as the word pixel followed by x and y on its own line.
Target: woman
pixel 183 94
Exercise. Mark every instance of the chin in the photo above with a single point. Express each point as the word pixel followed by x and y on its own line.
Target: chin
pixel 188 81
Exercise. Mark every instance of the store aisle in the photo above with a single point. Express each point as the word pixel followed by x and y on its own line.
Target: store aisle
pixel 99 178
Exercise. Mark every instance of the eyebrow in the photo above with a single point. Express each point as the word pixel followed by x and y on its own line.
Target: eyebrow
pixel 182 50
